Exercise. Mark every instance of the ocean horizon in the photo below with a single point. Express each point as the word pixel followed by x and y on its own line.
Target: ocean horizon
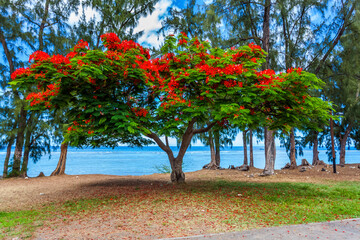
pixel 148 160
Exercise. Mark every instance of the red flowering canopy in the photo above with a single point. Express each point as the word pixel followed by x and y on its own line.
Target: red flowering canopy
pixel 121 94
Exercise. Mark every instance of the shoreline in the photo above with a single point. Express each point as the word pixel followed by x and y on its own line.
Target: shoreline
pixel 21 193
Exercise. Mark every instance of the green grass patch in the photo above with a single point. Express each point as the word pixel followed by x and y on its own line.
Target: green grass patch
pixel 218 205
pixel 19 223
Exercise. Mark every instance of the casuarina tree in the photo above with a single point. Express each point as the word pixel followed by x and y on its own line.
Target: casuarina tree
pixel 121 95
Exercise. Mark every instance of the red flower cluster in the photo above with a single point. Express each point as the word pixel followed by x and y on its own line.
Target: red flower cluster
pixel 298 70
pixel 59 59
pixel 254 47
pixel 81 45
pixel 232 83
pixel 39 56
pixel 113 43
pixel 19 72
pixel 266 78
pixel 71 55
pixel 140 111
pixel 182 42
pixel 42 97
pixel 110 38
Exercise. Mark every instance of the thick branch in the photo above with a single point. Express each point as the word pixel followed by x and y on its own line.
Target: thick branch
pixel 42 26
pixel 202 130
pixel 7 52
pixel 159 142
pixel 336 39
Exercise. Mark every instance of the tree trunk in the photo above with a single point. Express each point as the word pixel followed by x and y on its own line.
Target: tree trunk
pixel 332 143
pixel 8 150
pixel 315 149
pixel 19 143
pixel 245 148
pixel 251 149
pixel 42 25
pixel 343 140
pixel 28 133
pixel 177 174
pixel 217 148
pixel 270 152
pixel 293 164
pixel 60 168
pixel 7 157
pixel 24 165
pixel 266 31
pixel 212 164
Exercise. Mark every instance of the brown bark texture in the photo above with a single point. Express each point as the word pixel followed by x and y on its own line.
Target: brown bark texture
pixel 251 149
pixel 293 164
pixel 315 160
pixel 343 140
pixel 7 157
pixel 212 164
pixel 332 143
pixel 177 175
pixel 217 148
pixel 60 168
pixel 28 143
pixel 19 143
pixel 270 152
pixel 245 148
pixel 43 25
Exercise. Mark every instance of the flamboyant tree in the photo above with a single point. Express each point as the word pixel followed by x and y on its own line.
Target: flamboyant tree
pixel 121 95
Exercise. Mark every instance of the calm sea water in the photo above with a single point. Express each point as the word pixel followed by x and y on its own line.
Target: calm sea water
pixel 141 161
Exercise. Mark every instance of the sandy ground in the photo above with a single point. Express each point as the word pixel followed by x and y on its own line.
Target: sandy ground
pixel 20 193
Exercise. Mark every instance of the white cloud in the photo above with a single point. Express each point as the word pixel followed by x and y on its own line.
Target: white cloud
pixel 89 14
pixel 152 23
pixel 208 1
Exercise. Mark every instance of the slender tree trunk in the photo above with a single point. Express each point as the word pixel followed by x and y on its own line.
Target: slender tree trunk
pixel 60 168
pixel 343 140
pixel 8 150
pixel 217 147
pixel 270 152
pixel 266 31
pixel 315 149
pixel 293 164
pixel 251 149
pixel 43 25
pixel 212 147
pixel 19 143
pixel 28 133
pixel 245 148
pixel 212 164
pixel 332 144
pixel 7 157
pixel 24 165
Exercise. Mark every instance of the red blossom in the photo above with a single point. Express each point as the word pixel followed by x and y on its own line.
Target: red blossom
pixel 81 45
pixel 140 111
pixel 71 55
pixel 182 42
pixel 39 56
pixel 298 70
pixel 20 72
pixel 254 47
pixel 59 59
